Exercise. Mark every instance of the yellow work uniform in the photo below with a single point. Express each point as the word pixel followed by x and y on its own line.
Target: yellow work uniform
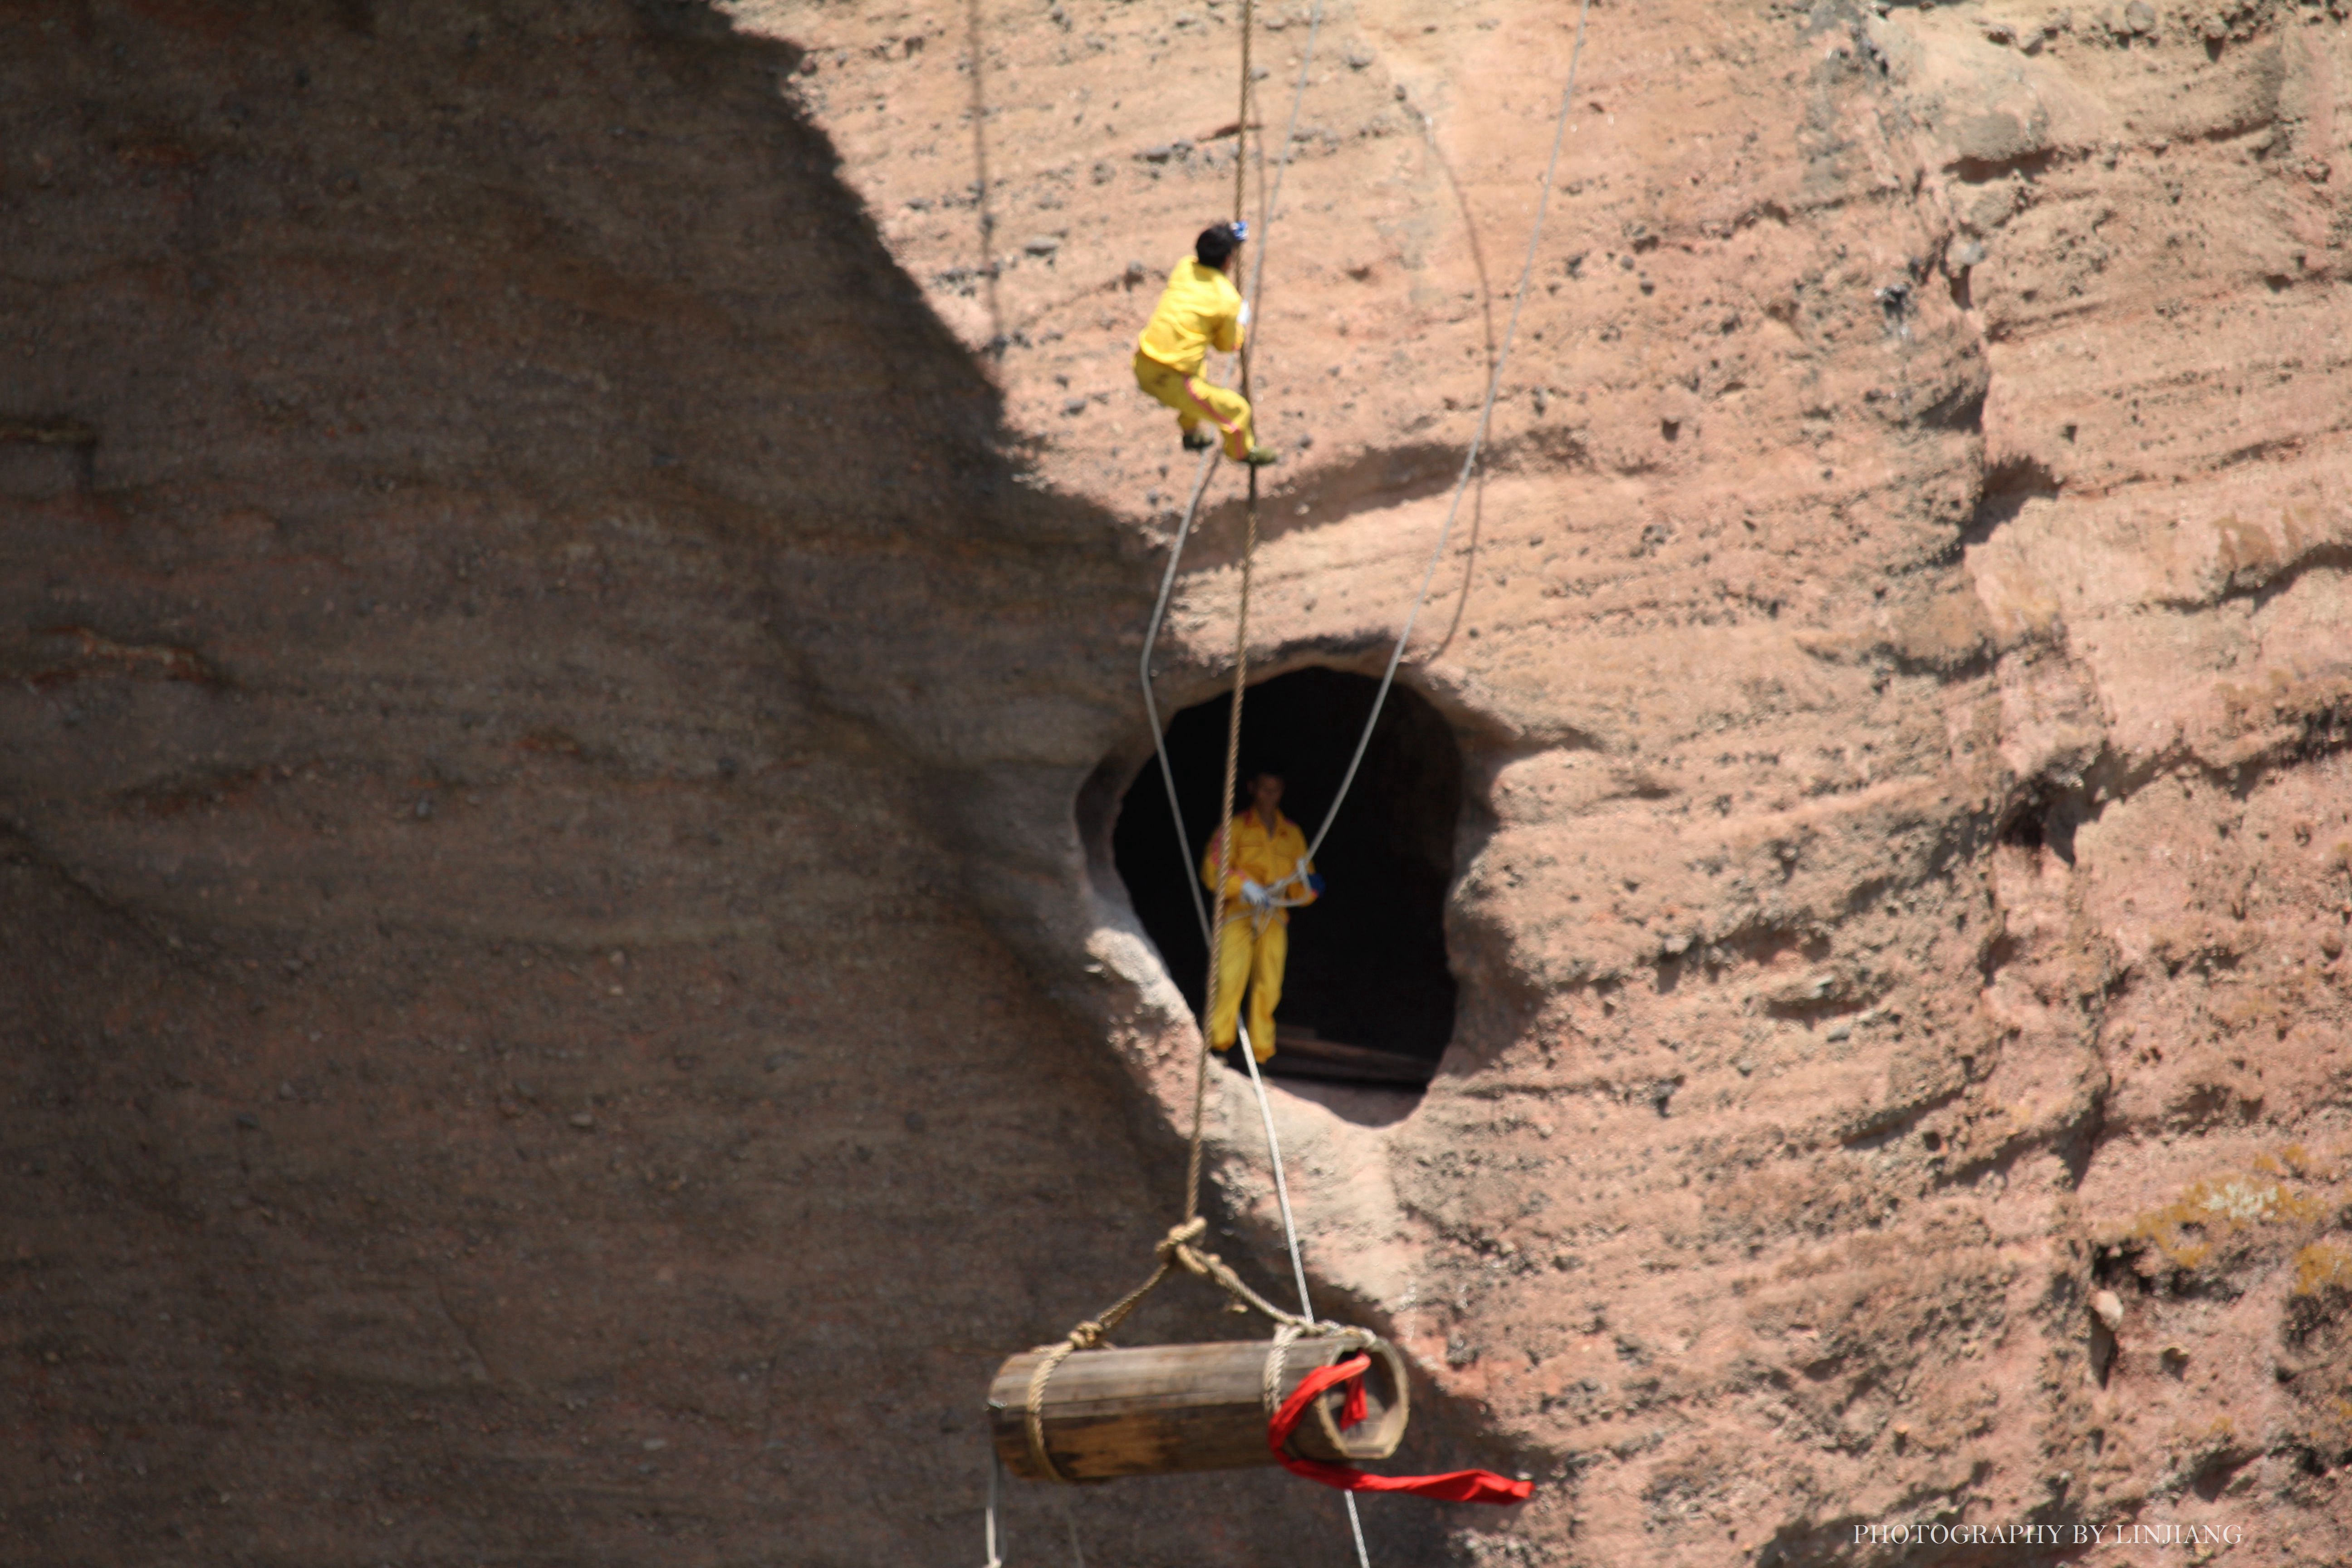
pixel 1252 947
pixel 1198 310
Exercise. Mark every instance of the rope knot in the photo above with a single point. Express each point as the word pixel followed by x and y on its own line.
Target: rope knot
pixel 1087 1335
pixel 1172 1246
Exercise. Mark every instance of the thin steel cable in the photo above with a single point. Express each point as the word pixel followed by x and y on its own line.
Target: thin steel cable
pixel 1477 438
pixel 1387 677
pixel 1151 704
pixel 1281 1186
pixel 1282 1193
pixel 995 1468
pixel 1290 1239
pixel 1356 1528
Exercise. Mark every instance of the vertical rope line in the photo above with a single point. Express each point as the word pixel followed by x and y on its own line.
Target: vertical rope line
pixel 1224 854
pixel 1241 176
pixel 1281 1186
pixel 995 1468
pixel 1152 703
pixel 1290 1238
pixel 1206 471
pixel 1241 684
pixel 1241 120
pixel 1272 201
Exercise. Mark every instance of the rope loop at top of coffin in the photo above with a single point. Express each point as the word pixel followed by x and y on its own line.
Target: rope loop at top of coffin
pixel 1175 1250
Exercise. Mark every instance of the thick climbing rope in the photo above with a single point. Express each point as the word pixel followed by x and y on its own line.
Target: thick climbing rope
pixel 1271 206
pixel 1445 533
pixel 1176 1249
pixel 1298 1262
pixel 1241 670
pixel 1387 677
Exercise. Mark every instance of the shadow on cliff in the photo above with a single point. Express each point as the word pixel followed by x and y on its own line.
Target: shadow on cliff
pixel 591 1112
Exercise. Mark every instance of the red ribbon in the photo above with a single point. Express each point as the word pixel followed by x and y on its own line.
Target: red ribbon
pixel 1457 1486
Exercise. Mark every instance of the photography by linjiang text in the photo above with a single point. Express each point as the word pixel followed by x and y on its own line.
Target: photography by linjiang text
pixel 2190 1537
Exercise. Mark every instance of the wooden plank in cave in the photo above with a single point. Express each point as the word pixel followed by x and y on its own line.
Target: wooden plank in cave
pixel 1301 1053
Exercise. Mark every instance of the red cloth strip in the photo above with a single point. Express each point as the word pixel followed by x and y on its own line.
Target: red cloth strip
pixel 1352 1408
pixel 1457 1486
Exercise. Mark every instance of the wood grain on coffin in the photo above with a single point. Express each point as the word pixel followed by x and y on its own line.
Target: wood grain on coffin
pixel 1161 1409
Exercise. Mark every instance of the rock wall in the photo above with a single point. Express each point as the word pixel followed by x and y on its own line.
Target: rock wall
pixel 573 577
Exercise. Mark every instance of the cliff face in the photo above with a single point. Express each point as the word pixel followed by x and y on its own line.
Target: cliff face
pixel 573 585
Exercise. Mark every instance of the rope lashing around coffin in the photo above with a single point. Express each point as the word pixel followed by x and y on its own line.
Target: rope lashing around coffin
pixel 1175 1251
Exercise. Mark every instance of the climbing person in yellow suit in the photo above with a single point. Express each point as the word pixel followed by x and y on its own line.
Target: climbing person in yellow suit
pixel 1201 308
pixel 1270 874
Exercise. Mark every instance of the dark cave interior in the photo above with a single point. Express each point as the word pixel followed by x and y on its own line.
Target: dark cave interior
pixel 1368 995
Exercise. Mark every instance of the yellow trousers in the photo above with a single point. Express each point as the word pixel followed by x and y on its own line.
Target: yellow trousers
pixel 1194 399
pixel 1247 957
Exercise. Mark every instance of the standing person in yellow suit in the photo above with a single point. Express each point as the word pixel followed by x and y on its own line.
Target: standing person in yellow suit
pixel 1201 308
pixel 1270 871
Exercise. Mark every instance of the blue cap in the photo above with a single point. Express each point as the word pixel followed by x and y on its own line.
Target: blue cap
pixel 1240 230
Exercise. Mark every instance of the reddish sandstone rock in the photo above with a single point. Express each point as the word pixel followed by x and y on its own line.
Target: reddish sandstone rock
pixel 573 585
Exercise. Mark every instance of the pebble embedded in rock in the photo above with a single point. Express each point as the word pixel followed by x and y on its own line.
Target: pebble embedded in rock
pixel 583 1118
pixel 2109 1307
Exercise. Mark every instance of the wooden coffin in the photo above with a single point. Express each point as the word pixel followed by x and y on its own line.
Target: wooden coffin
pixel 1158 1409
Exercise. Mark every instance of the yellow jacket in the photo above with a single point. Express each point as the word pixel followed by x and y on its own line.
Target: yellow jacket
pixel 1200 307
pixel 1265 858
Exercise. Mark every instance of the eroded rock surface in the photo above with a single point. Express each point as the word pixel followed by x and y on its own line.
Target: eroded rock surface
pixel 574 581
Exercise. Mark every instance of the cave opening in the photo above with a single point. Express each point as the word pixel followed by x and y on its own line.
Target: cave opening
pixel 1367 997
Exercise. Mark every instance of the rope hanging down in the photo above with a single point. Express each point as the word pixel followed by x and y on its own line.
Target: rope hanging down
pixel 1268 206
pixel 1445 533
pixel 1241 667
pixel 1478 437
pixel 1176 1249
